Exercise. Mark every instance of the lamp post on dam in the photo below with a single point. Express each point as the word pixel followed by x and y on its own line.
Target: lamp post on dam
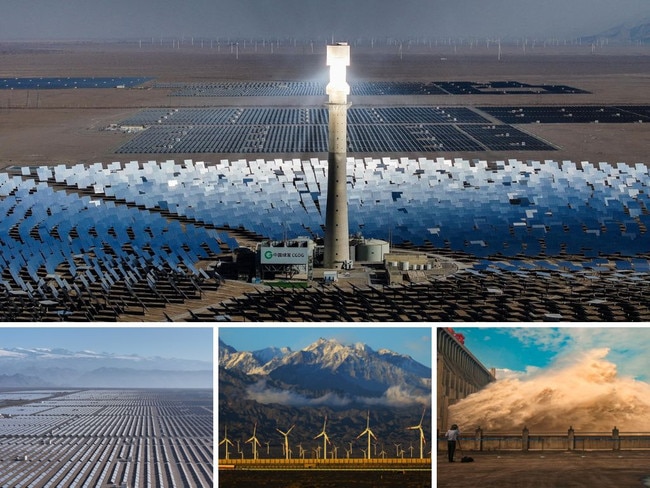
pixel 337 248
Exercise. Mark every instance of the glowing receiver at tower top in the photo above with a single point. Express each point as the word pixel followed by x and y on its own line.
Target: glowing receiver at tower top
pixel 338 58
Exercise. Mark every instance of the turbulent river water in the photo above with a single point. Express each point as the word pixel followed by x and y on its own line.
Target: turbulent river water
pixel 587 394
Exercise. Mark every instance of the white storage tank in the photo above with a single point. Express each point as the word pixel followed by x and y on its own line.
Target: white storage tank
pixel 372 250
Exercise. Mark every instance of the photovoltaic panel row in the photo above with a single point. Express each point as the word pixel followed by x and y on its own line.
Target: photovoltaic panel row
pixel 229 139
pixel 280 116
pixel 581 114
pixel 300 138
pixel 39 83
pixel 409 138
pixel 366 88
pixel 503 88
pixel 258 130
pixel 412 115
pixel 504 138
pixel 184 116
pixel 246 89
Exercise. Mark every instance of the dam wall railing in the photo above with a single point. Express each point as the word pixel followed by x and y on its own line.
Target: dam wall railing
pixel 525 440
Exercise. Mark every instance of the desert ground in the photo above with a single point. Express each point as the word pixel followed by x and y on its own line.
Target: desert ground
pixel 65 126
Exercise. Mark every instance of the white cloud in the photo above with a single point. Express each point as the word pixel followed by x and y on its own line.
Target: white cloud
pixel 266 395
pixel 11 354
pixel 628 346
pixel 395 396
pixel 547 339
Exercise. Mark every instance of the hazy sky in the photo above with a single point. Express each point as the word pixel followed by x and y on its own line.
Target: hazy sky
pixel 345 19
pixel 529 348
pixel 168 342
pixel 414 341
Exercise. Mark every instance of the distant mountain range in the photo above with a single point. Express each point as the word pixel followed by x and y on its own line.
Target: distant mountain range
pixel 354 373
pixel 636 31
pixel 42 367
pixel 278 387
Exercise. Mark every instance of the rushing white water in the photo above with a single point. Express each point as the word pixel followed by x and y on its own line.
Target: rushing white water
pixel 587 394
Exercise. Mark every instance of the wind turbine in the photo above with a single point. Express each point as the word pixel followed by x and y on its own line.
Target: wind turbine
pixel 370 433
pixel 325 437
pixel 396 449
pixel 226 441
pixel 254 441
pixel 382 453
pixel 422 439
pixel 286 440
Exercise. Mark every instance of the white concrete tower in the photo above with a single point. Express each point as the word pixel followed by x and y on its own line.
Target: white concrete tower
pixel 337 247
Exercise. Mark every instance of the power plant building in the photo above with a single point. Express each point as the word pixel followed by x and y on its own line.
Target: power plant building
pixel 459 374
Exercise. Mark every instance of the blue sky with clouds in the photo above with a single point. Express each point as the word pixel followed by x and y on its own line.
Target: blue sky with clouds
pixel 528 348
pixel 414 341
pixel 168 342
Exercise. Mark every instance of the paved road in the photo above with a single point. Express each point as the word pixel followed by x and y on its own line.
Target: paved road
pixel 621 469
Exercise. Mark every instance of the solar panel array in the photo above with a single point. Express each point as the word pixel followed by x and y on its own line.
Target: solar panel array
pixel 94 438
pixel 60 250
pixel 570 114
pixel 504 88
pixel 51 83
pixel 509 208
pixel 287 130
pixel 56 246
pixel 367 88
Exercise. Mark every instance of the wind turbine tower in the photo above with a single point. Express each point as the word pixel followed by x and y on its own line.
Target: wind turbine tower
pixel 286 440
pixel 254 442
pixel 337 247
pixel 370 434
pixel 325 437
pixel 422 439
pixel 226 441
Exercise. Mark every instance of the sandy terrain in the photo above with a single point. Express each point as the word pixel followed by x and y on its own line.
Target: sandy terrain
pixel 64 126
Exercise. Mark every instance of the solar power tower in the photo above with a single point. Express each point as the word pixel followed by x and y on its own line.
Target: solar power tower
pixel 337 250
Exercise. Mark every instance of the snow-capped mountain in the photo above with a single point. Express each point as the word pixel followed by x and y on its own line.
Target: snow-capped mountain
pixel 350 371
pixel 343 382
pixel 61 367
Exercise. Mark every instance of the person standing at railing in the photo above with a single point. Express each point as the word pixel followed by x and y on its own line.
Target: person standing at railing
pixel 452 436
